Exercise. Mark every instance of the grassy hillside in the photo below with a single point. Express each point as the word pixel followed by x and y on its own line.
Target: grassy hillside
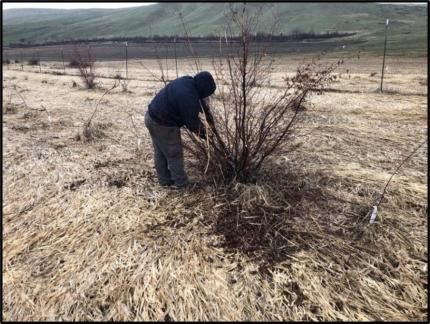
pixel 408 27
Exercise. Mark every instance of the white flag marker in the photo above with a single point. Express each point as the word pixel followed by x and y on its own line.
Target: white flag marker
pixel 374 214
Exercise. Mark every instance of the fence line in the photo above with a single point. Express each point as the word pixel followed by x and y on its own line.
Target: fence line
pixel 113 53
pixel 119 54
pixel 109 71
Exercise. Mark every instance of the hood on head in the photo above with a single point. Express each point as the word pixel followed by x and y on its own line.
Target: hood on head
pixel 205 84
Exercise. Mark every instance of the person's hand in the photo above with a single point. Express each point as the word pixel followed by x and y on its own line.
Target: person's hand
pixel 211 124
pixel 202 135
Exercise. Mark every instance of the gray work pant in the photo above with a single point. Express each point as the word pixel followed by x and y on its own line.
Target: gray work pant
pixel 168 154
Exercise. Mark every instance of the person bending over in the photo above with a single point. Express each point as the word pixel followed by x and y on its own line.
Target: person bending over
pixel 177 104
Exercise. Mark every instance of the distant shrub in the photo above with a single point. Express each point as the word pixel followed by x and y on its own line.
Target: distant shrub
pixel 74 63
pixel 10 108
pixel 84 61
pixel 6 62
pixel 122 81
pixel 16 61
pixel 33 62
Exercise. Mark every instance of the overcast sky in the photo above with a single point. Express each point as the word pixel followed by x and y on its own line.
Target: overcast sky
pixel 73 5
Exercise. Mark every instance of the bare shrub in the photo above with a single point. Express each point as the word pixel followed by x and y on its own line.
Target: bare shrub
pixel 73 63
pixel 90 130
pixel 33 62
pixel 123 82
pixel 163 68
pixel 84 61
pixel 251 120
pixel 10 107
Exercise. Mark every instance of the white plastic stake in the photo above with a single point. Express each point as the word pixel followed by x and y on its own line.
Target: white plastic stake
pixel 374 214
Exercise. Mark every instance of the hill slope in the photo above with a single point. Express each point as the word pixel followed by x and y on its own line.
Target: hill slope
pixel 408 25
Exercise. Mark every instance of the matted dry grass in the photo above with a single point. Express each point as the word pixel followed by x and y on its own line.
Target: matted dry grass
pixel 88 235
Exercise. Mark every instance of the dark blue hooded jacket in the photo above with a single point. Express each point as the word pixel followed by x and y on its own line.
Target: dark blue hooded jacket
pixel 178 103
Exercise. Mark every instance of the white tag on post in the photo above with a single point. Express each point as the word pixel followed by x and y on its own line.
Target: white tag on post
pixel 374 214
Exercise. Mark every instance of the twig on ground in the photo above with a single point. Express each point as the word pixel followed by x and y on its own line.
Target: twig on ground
pixel 15 87
pixel 88 122
pixel 397 170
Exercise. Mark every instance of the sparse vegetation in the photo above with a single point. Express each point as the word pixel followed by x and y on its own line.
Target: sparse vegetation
pixel 89 235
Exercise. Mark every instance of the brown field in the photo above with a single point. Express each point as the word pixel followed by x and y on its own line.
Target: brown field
pixel 88 234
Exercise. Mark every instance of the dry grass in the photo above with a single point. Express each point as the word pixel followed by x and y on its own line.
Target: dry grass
pixel 88 235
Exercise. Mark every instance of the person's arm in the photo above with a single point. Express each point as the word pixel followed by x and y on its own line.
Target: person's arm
pixel 200 130
pixel 189 108
pixel 207 112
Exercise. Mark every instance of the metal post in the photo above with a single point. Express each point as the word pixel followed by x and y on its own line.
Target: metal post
pixel 385 49
pixel 62 58
pixel 176 61
pixel 167 64
pixel 126 61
